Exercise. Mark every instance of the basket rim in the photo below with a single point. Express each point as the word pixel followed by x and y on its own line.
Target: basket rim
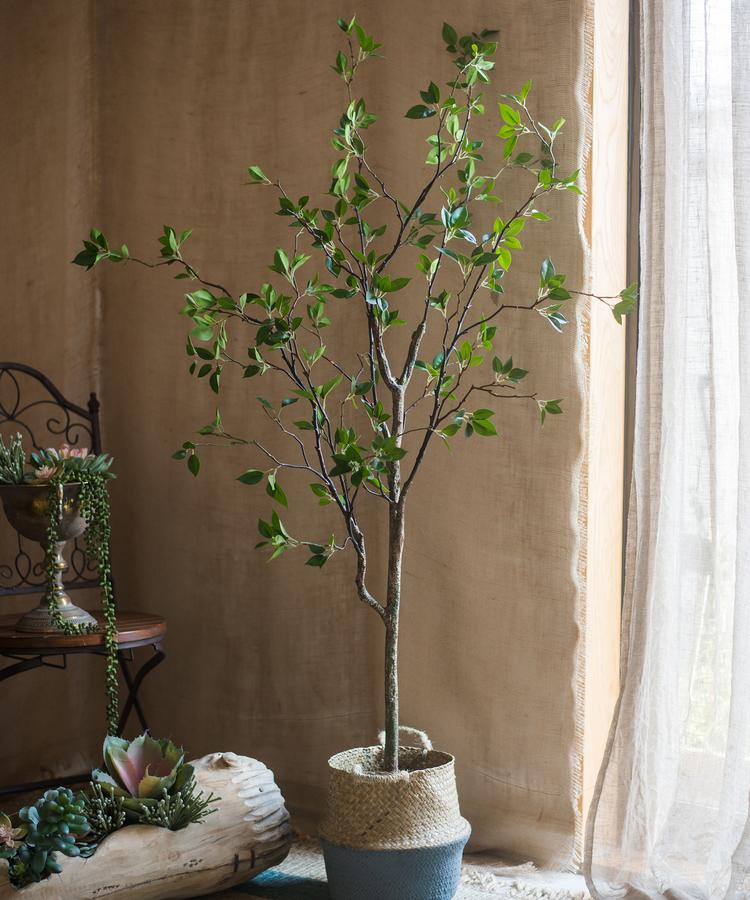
pixel 335 763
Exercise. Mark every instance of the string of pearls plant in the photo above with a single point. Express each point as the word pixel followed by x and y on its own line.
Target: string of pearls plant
pixel 93 500
pixel 57 468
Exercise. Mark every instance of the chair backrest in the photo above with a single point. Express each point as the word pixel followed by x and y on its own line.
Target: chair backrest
pixel 32 406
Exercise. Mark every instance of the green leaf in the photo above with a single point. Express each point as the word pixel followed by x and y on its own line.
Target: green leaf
pixel 420 112
pixel 449 35
pixel 549 406
pixel 274 490
pixel 504 257
pixel 546 271
pixel 483 414
pixel 627 302
pixel 325 390
pixel 340 65
pixel 251 476
pixel 510 145
pixel 361 388
pixel 390 286
pixel 257 176
pixel 432 94
pixel 317 560
pixel 322 493
pixel 87 258
pixel 194 464
pixel 557 320
pixel 510 115
pixel 484 427
pixel 202 333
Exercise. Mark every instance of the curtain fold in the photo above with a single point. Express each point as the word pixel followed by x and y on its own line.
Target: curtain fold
pixel 671 805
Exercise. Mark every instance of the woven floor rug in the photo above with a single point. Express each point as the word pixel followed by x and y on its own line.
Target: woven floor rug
pixel 302 877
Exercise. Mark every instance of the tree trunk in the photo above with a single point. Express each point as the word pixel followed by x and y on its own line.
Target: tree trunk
pixel 395 554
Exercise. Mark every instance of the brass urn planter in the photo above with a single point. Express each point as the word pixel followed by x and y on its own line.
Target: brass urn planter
pixel 26 507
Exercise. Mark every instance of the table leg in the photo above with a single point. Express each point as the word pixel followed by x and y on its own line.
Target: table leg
pixel 22 666
pixel 134 684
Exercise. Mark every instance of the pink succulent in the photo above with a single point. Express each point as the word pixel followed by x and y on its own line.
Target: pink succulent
pixel 44 473
pixel 10 837
pixel 68 452
pixel 143 767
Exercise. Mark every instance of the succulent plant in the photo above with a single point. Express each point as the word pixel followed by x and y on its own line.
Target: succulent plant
pixel 184 806
pixel 141 768
pixel 104 811
pixel 10 838
pixel 69 463
pixel 12 460
pixel 152 782
pixel 56 822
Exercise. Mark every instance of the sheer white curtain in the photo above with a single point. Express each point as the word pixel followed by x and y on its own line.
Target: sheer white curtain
pixel 671 811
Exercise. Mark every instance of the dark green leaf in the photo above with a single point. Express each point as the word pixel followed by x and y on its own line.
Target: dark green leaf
pixel 251 476
pixel 449 35
pixel 317 560
pixel 420 112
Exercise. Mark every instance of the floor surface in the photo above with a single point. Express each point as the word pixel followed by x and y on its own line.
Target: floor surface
pixel 302 877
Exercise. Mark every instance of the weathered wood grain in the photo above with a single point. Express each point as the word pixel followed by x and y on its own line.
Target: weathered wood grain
pixel 249 833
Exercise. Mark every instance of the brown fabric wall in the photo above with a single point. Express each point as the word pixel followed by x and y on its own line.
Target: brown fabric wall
pixel 49 315
pixel 281 661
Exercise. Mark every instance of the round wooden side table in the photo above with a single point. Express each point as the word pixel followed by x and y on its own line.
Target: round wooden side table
pixel 30 651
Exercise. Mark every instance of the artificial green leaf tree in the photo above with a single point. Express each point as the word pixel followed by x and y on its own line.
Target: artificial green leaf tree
pixel 447 251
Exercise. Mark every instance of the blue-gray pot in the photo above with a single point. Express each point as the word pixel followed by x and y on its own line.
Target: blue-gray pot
pixel 397 836
pixel 423 873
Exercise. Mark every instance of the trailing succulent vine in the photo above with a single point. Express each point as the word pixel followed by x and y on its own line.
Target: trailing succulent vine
pixel 371 414
pixel 56 468
pixel 146 782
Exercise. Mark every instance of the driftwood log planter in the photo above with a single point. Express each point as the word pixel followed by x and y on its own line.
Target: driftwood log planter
pixel 248 833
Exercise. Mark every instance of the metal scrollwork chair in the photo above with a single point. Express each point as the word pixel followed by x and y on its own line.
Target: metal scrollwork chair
pixel 32 406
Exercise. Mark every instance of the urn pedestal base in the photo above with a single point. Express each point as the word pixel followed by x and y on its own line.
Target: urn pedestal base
pixel 39 619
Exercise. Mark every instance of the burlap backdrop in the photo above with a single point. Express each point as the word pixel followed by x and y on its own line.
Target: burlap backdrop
pixel 132 114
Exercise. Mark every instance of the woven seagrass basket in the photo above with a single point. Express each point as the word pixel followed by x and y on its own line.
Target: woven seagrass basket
pixel 393 835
